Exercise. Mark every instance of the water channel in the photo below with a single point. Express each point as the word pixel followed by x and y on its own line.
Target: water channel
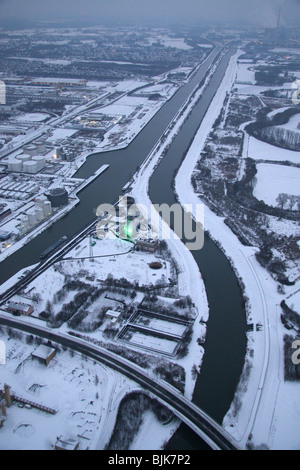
pixel 225 344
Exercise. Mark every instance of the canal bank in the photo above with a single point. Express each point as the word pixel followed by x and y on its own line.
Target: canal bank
pixel 225 345
pixel 226 304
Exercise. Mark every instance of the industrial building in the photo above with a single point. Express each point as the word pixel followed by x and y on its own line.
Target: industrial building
pixel 36 214
pixel 4 235
pixel 29 162
pixel 147 245
pixel 44 354
pixel 113 316
pixel 19 308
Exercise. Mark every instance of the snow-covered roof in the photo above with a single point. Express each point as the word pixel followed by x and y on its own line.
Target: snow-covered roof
pixel 43 351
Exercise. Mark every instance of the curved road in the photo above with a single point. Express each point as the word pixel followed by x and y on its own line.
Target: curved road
pixel 211 432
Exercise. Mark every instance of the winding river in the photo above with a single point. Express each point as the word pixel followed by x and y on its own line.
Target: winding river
pixel 225 345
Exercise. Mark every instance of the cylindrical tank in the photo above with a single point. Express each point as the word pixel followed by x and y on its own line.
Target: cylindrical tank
pixel 14 165
pixel 47 208
pixel 41 146
pixel 30 167
pixel 58 197
pixel 39 213
pixel 24 223
pixel 31 149
pixel 40 200
pixel 40 160
pixel 32 219
pixel 24 157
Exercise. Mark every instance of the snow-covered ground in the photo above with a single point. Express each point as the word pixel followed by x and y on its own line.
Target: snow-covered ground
pixel 245 74
pixel 269 409
pixel 263 412
pixel 32 117
pixel 259 150
pixel 275 179
pixel 84 394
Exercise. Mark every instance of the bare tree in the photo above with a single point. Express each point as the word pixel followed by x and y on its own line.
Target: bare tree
pixel 282 199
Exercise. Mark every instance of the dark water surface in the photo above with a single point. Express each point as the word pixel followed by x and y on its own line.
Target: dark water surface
pixel 225 344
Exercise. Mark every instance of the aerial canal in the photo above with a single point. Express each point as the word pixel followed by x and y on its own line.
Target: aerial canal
pixel 225 344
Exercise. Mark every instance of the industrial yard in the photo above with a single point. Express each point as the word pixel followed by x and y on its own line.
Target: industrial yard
pixel 37 183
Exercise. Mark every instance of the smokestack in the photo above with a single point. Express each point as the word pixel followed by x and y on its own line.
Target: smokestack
pixel 279 18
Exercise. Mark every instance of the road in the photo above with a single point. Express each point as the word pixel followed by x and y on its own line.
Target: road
pixel 211 432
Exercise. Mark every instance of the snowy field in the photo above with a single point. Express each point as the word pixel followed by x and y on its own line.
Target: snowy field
pixel 73 386
pixel 244 74
pixel 125 106
pixel 153 343
pixel 115 258
pixel 61 133
pixel 259 150
pixel 275 179
pixel 163 326
pixel 32 117
pixel 293 124
pixel 178 43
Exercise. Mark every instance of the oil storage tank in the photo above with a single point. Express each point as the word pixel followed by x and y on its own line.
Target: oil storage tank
pixel 24 157
pixel 41 146
pixel 41 199
pixel 32 219
pixel 40 160
pixel 58 197
pixel 30 167
pixel 39 213
pixel 47 208
pixel 30 149
pixel 14 165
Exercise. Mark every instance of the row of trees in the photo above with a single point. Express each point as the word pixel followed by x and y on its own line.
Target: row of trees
pixel 279 136
pixel 130 419
pixel 268 129
pixel 288 201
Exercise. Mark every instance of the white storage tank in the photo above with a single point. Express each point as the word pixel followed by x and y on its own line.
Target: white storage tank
pixel 32 150
pixel 39 213
pixel 24 157
pixel 24 223
pixel 47 208
pixel 41 199
pixel 41 146
pixel 32 219
pixel 30 167
pixel 14 165
pixel 40 161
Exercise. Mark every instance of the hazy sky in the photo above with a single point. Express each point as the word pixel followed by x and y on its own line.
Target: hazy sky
pixel 260 12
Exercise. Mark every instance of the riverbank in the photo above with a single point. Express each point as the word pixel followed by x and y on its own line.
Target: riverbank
pixel 59 214
pixel 256 412
pixel 138 153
